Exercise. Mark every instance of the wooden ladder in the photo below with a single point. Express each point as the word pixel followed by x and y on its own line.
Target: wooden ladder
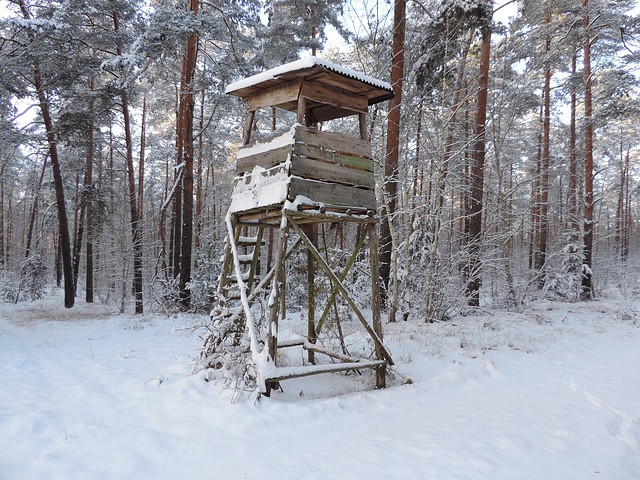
pixel 228 294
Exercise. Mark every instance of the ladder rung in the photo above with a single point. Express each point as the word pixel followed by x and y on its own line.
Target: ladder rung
pixel 247 241
pixel 233 280
pixel 245 258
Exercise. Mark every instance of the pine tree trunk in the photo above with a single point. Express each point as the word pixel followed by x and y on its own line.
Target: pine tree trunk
pixel 63 224
pixel 58 260
pixel 198 219
pixel 135 223
pixel 78 232
pixel 393 144
pixel 3 260
pixel 133 204
pixel 534 246
pixel 143 141
pixel 573 156
pixel 587 284
pixel 34 210
pixel 186 98
pixel 543 221
pixel 477 175
pixel 88 181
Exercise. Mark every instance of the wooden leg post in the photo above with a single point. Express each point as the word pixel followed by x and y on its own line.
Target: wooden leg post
pixel 309 229
pixel 277 294
pixel 375 301
pixel 255 260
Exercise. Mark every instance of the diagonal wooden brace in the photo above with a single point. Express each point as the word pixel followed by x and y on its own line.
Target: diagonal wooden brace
pixel 337 283
pixel 334 290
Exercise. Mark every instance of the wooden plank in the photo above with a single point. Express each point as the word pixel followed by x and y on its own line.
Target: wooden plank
pixel 332 193
pixel 318 217
pixel 244 241
pixel 274 96
pixel 260 219
pixel 330 172
pixel 329 353
pixel 334 141
pixel 351 161
pixel 267 159
pixel 286 373
pixel 334 96
pixel 324 113
pixel 292 342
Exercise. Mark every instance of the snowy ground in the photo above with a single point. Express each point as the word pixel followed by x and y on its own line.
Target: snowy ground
pixel 553 393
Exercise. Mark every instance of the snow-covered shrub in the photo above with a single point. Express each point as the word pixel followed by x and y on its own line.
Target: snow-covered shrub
pixel 33 274
pixel 9 290
pixel 567 280
pixel 206 275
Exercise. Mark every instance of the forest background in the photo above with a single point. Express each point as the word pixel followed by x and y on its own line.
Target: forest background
pixel 506 165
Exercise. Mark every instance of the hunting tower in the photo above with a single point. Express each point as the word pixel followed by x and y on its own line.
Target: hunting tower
pixel 291 183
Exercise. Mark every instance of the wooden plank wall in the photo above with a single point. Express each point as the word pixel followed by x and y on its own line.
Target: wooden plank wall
pixel 326 167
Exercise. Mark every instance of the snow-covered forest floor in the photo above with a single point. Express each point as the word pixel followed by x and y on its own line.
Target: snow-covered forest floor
pixel 551 393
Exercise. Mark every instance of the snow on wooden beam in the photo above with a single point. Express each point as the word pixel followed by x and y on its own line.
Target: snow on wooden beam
pixel 285 373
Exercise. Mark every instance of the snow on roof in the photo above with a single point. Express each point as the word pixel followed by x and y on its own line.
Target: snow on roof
pixel 303 64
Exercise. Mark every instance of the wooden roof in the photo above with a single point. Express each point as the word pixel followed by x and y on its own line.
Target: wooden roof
pixel 331 90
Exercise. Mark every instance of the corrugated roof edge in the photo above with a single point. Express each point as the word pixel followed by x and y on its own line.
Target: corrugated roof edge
pixel 304 63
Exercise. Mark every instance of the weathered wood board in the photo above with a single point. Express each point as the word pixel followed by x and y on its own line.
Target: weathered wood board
pixel 337 142
pixel 332 193
pixel 277 95
pixel 264 159
pixel 330 172
pixel 326 167
pixel 351 161
pixel 335 96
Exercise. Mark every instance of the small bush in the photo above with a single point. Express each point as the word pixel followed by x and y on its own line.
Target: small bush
pixel 33 277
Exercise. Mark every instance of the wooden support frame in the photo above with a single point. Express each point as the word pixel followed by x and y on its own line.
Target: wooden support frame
pixel 246 137
pixel 276 294
pixel 310 230
pixel 334 289
pixel 362 120
pixel 375 301
pixel 380 348
pixel 255 258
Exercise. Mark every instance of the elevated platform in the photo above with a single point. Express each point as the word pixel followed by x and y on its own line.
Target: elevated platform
pixel 316 170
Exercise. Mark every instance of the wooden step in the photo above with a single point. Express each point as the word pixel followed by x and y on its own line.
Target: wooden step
pixel 247 241
pixel 233 280
pixel 244 259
